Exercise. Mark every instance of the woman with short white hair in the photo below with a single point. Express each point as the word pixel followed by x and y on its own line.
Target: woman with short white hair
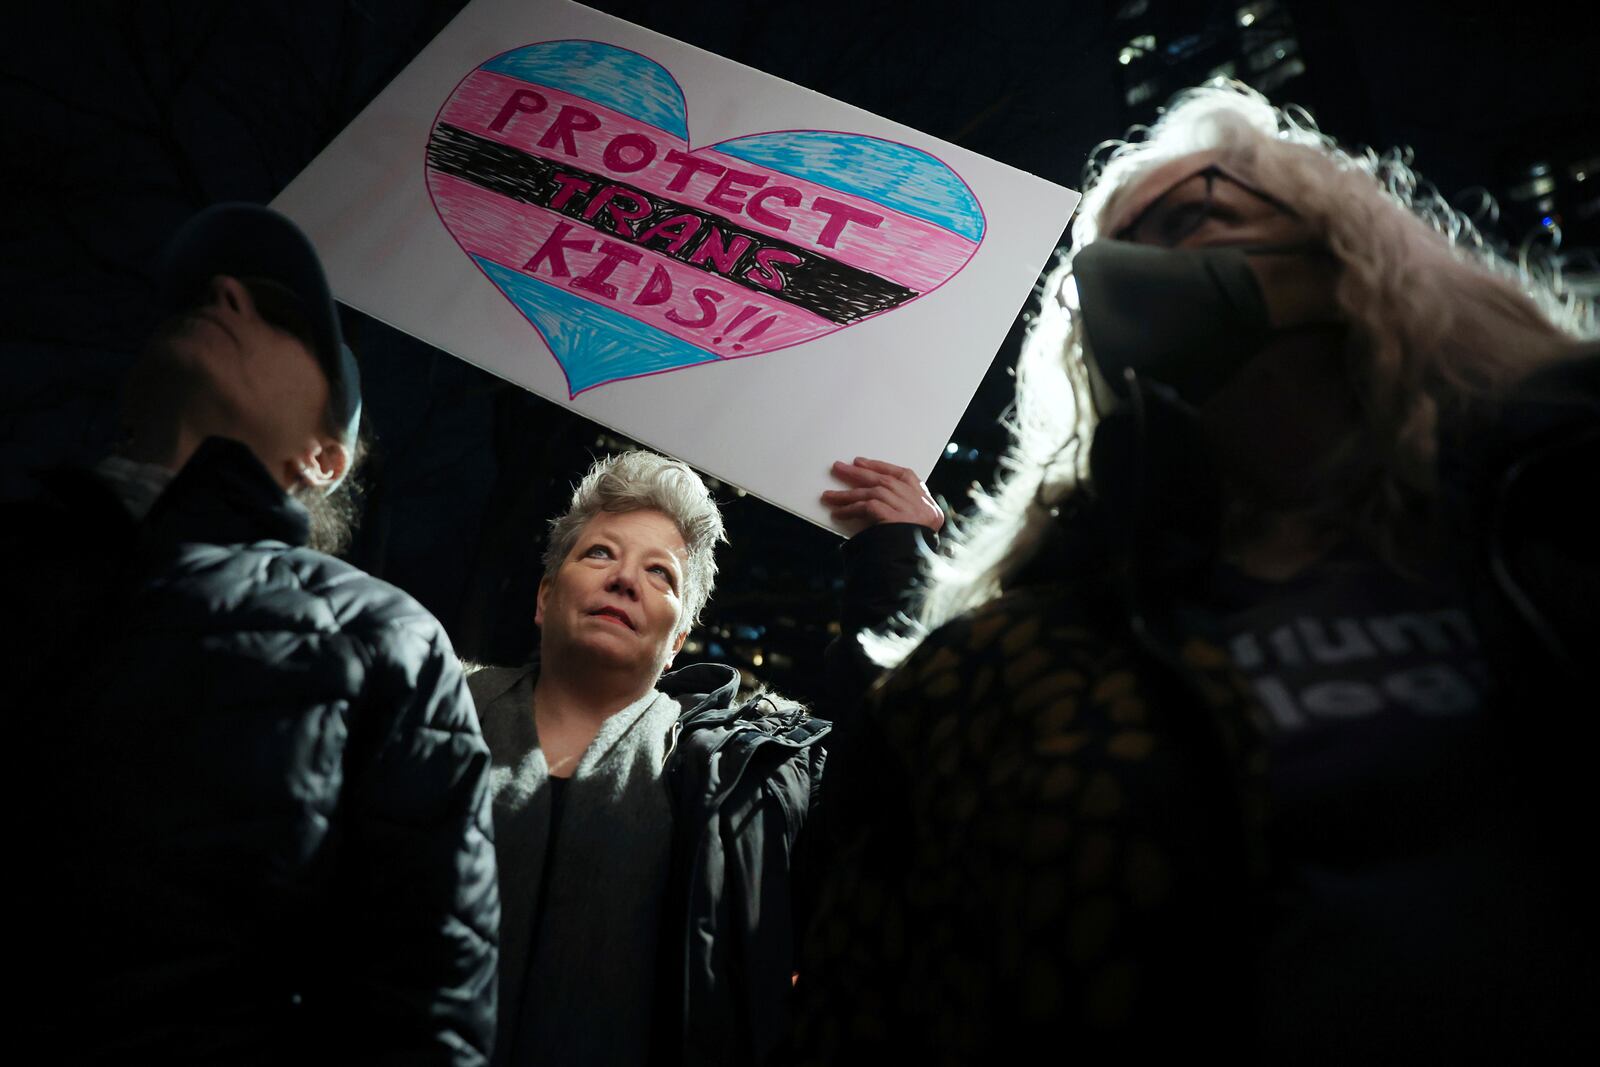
pixel 647 822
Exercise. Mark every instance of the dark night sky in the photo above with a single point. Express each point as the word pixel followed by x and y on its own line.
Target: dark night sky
pixel 120 119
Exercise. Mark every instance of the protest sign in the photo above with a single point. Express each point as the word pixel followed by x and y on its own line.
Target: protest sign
pixel 715 262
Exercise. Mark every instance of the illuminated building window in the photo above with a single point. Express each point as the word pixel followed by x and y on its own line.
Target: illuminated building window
pixel 1252 14
pixel 1138 48
pixel 1276 52
pixel 1275 77
pixel 1539 186
pixel 1145 90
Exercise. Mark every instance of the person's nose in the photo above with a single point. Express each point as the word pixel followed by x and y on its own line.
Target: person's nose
pixel 624 581
pixel 226 291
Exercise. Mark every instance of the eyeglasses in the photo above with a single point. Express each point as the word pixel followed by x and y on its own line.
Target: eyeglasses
pixel 1186 206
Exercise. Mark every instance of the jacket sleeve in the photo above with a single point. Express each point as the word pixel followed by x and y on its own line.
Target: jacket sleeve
pixel 423 907
pixel 1521 491
pixel 881 564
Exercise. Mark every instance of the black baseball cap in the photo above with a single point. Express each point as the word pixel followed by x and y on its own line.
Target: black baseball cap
pixel 248 240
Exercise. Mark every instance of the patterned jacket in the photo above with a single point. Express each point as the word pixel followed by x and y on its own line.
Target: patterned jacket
pixel 1061 831
pixel 1063 793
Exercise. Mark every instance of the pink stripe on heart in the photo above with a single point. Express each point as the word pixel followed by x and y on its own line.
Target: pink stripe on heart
pixel 511 233
pixel 548 191
pixel 911 251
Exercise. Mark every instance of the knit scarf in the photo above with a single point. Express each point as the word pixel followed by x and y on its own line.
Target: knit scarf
pixel 576 982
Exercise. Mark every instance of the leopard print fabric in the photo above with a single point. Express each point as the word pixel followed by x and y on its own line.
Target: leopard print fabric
pixel 1057 829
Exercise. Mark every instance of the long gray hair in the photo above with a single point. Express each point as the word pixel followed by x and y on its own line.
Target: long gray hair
pixel 1437 313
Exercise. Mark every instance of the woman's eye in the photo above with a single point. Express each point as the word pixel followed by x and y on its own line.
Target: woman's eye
pixel 664 571
pixel 1183 220
pixel 598 552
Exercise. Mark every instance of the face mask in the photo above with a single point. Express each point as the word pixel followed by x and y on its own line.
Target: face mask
pixel 1191 323
pixel 1186 318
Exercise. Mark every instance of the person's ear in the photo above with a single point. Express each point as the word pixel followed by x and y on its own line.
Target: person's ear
pixel 538 601
pixel 321 464
pixel 677 646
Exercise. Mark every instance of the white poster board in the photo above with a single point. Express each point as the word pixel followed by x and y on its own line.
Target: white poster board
pixel 715 262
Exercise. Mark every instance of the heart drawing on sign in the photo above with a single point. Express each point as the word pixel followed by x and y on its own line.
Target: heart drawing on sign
pixel 564 169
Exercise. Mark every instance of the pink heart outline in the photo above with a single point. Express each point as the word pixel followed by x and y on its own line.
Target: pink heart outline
pixel 558 346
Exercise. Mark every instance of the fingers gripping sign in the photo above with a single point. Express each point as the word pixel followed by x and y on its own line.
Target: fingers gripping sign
pixel 880 493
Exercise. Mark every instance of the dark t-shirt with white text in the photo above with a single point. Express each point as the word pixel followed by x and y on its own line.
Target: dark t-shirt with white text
pixel 1406 901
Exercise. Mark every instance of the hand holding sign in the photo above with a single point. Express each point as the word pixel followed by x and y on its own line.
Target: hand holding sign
pixel 883 492
pixel 615 220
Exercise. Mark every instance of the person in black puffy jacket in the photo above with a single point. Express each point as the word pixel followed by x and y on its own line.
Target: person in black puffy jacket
pixel 255 795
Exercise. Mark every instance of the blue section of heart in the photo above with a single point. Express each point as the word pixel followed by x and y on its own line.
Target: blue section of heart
pixel 894 175
pixel 622 80
pixel 885 172
pixel 594 344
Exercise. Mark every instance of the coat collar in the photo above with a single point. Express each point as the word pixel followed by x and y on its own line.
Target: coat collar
pixel 702 687
pixel 224 495
pixel 707 694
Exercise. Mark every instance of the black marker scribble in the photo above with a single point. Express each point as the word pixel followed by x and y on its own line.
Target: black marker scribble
pixel 836 291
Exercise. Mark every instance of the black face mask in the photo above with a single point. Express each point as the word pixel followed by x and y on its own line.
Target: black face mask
pixel 1187 323
pixel 1186 318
